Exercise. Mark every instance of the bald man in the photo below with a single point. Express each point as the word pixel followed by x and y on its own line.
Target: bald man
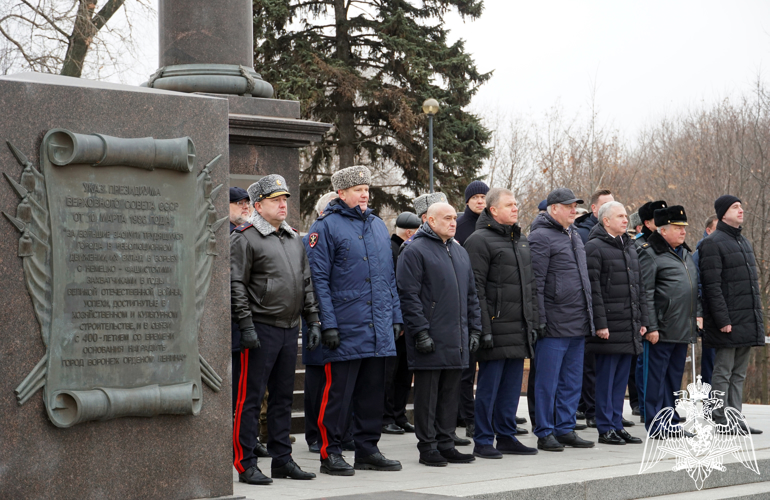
pixel 443 324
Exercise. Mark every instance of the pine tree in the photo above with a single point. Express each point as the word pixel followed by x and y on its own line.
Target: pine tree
pixel 366 67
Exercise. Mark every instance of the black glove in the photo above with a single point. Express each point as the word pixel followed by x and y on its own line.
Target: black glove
pixel 474 341
pixel 313 336
pixel 331 338
pixel 249 339
pixel 486 341
pixel 423 343
pixel 397 329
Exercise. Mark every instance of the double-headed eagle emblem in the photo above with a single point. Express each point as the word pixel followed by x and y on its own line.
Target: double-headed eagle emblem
pixel 699 445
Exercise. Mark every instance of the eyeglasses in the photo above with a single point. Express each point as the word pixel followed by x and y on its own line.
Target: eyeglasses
pixel 242 203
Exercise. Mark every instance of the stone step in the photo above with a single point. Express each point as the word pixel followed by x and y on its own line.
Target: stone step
pixel 753 491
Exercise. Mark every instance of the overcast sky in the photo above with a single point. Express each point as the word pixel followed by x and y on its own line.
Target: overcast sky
pixel 644 58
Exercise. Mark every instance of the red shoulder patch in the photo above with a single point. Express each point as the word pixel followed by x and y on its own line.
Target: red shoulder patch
pixel 313 239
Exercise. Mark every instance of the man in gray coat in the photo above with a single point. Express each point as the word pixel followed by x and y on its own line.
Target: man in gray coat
pixel 673 309
pixel 566 318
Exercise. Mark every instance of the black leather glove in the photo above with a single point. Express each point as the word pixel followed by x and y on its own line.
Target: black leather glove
pixel 249 339
pixel 474 340
pixel 313 336
pixel 423 343
pixel 486 341
pixel 398 328
pixel 331 338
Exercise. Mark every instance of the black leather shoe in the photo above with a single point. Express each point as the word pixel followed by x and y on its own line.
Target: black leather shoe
pixel 470 428
pixel 520 431
pixel 376 462
pixel 579 415
pixel 432 458
pixel 261 451
pixel 514 447
pixel 549 443
pixel 610 437
pixel 407 427
pixel 292 471
pixel 635 411
pixel 627 423
pixel 580 427
pixel 572 439
pixel 521 420
pixel 392 429
pixel 628 438
pixel 455 457
pixel 314 447
pixel 253 475
pixel 460 441
pixel 591 422
pixel 335 465
pixel 751 430
pixel 349 446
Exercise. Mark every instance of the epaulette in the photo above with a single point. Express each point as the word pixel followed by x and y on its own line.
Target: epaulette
pixel 295 230
pixel 645 245
pixel 243 227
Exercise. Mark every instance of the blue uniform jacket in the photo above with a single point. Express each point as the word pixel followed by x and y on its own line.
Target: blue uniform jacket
pixel 352 269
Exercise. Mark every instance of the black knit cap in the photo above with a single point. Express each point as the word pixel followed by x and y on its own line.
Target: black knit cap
pixel 408 220
pixel 671 215
pixel 474 188
pixel 647 211
pixel 723 203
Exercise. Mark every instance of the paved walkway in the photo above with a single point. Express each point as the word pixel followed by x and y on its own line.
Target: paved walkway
pixel 489 478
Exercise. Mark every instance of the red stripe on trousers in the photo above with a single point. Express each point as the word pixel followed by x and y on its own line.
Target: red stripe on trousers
pixel 324 402
pixel 239 410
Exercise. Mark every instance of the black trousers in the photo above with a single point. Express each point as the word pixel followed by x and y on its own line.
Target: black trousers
pixel 271 366
pixel 314 384
pixel 360 383
pixel 466 409
pixel 633 394
pixel 398 383
pixel 588 393
pixel 435 408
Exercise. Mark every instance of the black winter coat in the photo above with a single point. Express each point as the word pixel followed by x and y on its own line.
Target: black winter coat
pixel 506 288
pixel 563 288
pixel 584 224
pixel 438 294
pixel 617 291
pixel 671 287
pixel 728 273
pixel 466 225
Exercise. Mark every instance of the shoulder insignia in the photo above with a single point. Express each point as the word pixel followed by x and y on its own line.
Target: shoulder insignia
pixel 645 245
pixel 243 227
pixel 295 230
pixel 312 239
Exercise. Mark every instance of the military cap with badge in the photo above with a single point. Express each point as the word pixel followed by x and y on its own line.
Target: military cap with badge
pixel 268 186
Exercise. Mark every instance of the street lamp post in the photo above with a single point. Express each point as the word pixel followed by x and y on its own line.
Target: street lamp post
pixel 430 108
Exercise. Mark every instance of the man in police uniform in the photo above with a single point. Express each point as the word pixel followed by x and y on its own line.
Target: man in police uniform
pixel 271 288
pixel 352 268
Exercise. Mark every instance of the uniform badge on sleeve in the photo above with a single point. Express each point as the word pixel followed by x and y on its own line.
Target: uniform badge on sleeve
pixel 313 239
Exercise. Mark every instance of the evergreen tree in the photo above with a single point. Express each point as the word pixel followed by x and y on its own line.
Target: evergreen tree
pixel 366 67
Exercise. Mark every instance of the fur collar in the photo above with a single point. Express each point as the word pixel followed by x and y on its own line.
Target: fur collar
pixel 266 229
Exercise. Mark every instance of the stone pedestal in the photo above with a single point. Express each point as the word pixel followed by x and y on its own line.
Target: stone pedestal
pixel 181 456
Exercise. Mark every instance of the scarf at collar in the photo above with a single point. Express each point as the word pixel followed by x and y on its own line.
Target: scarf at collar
pixel 265 228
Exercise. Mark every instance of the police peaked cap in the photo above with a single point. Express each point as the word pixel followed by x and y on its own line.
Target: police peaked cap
pixel 671 215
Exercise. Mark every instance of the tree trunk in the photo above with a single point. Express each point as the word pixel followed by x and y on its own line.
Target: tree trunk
pixel 342 99
pixel 83 31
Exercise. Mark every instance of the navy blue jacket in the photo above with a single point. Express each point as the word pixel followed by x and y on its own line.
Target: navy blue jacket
pixel 584 224
pixel 438 294
pixel 352 270
pixel 466 225
pixel 563 287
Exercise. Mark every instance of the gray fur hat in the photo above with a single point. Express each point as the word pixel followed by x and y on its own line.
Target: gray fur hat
pixel 634 220
pixel 268 186
pixel 421 203
pixel 351 176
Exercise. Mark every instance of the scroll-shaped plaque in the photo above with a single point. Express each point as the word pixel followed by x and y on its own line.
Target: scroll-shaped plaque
pixel 117 241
